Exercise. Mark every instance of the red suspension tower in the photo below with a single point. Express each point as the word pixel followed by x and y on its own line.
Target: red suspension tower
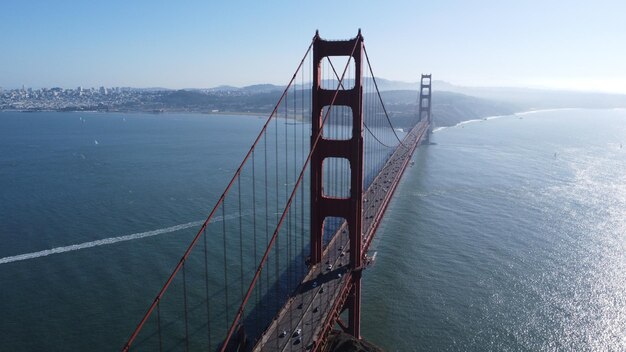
pixel 425 108
pixel 323 206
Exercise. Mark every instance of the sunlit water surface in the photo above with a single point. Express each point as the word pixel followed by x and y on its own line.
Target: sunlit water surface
pixel 508 234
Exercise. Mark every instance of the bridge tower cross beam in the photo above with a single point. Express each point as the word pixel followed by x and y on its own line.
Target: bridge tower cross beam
pixel 323 206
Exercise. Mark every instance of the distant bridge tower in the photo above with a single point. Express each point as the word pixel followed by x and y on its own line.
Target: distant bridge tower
pixel 324 206
pixel 425 108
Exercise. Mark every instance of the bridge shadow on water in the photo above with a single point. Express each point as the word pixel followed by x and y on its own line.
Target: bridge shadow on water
pixel 170 334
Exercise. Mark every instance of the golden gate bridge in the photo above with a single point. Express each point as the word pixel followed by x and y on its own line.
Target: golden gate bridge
pixel 278 262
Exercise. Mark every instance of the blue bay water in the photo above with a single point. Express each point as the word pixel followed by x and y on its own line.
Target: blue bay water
pixel 80 178
pixel 507 234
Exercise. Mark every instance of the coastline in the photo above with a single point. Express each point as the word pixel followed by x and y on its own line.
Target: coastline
pixel 518 114
pixel 147 112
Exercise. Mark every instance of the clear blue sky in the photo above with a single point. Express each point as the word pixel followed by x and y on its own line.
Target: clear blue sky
pixel 179 44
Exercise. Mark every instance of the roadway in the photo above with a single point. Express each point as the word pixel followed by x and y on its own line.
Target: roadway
pixel 323 291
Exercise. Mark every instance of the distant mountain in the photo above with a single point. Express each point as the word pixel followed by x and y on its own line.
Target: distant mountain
pixel 223 88
pixel 529 98
pixel 198 101
pixel 252 89
pixel 263 88
pixel 451 103
pixel 521 98
pixel 448 108
pixel 451 108
pixel 385 84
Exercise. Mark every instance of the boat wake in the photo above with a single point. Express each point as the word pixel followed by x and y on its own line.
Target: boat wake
pixel 97 243
pixel 110 240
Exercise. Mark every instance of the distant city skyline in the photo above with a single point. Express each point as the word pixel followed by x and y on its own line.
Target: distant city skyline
pixel 575 45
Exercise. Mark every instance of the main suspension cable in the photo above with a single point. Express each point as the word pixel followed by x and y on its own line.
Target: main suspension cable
pixel 364 124
pixel 219 203
pixel 380 97
pixel 273 239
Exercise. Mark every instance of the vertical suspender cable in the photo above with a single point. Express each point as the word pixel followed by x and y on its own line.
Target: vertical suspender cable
pixel 206 287
pixel 240 237
pixel 159 326
pixel 287 186
pixel 256 296
pixel 274 239
pixel 276 212
pixel 185 304
pixel 294 233
pixel 225 263
pixel 267 216
pixel 220 202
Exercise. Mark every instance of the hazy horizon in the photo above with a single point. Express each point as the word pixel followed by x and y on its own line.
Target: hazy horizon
pixel 198 44
pixel 572 89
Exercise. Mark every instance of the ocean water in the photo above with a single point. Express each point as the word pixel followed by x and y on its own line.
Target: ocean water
pixel 506 234
pixel 95 211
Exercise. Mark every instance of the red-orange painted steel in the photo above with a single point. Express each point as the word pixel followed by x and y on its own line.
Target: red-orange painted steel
pixel 425 103
pixel 314 143
pixel 418 132
pixel 352 149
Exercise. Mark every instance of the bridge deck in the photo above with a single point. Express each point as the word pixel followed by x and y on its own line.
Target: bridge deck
pixel 324 289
